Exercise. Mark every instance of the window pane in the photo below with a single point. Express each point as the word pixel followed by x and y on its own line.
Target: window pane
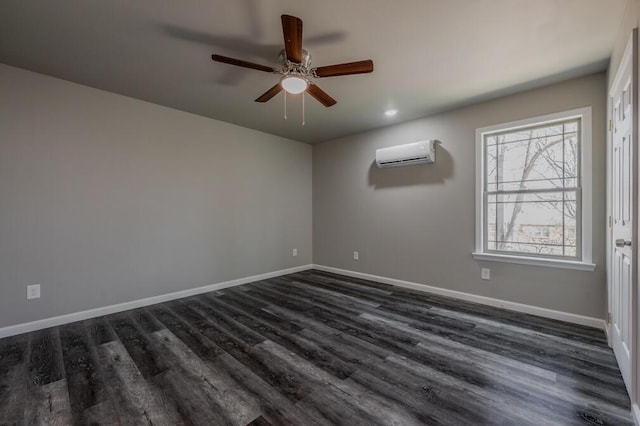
pixel 570 237
pixel 491 166
pixel 571 160
pixel 532 223
pixel 571 126
pixel 534 158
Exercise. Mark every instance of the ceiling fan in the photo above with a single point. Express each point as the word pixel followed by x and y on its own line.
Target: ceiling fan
pixel 295 66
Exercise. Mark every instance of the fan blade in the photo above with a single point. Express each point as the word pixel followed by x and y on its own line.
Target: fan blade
pixel 292 31
pixel 241 63
pixel 360 67
pixel 270 93
pixel 320 95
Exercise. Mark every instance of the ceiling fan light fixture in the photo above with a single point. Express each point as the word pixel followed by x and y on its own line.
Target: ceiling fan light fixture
pixel 294 84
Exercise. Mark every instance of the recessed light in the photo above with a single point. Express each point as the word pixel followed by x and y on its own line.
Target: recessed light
pixel 390 112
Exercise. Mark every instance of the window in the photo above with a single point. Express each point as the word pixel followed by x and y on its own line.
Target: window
pixel 534 191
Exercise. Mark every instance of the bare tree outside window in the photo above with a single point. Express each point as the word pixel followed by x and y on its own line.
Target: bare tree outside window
pixel 532 186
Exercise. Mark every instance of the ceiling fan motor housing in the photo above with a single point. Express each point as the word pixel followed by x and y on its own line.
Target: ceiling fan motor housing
pixel 287 66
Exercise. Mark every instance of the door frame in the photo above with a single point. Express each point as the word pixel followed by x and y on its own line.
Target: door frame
pixel 630 55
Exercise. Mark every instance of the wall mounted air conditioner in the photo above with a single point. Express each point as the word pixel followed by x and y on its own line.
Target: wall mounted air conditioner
pixel 407 154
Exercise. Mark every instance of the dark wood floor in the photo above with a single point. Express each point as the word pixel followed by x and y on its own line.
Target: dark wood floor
pixel 312 348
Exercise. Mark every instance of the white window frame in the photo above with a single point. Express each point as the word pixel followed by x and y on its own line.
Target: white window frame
pixel 586 205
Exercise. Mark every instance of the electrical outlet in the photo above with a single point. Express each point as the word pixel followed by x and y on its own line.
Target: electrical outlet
pixel 295 252
pixel 33 291
pixel 486 273
pixel 356 256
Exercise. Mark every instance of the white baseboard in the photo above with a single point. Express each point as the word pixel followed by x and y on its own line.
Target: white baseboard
pixel 12 330
pixel 635 410
pixel 505 304
pixel 97 312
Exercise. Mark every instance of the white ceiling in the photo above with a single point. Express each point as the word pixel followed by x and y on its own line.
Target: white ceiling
pixel 429 55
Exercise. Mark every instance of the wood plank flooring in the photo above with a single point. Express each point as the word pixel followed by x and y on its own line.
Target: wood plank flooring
pixel 312 348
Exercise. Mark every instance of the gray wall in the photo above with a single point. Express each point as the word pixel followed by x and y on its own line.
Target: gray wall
pixel 417 223
pixel 107 199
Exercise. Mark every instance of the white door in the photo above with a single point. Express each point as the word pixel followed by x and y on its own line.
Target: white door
pixel 622 170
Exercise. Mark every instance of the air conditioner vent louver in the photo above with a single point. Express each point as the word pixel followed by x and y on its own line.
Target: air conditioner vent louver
pixel 404 155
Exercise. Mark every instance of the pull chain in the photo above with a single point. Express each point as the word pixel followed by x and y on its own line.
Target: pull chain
pixel 285 104
pixel 303 108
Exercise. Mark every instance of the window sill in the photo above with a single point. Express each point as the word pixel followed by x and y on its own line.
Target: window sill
pixel 535 261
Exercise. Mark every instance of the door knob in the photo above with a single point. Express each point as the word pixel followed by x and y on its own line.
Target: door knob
pixel 621 242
